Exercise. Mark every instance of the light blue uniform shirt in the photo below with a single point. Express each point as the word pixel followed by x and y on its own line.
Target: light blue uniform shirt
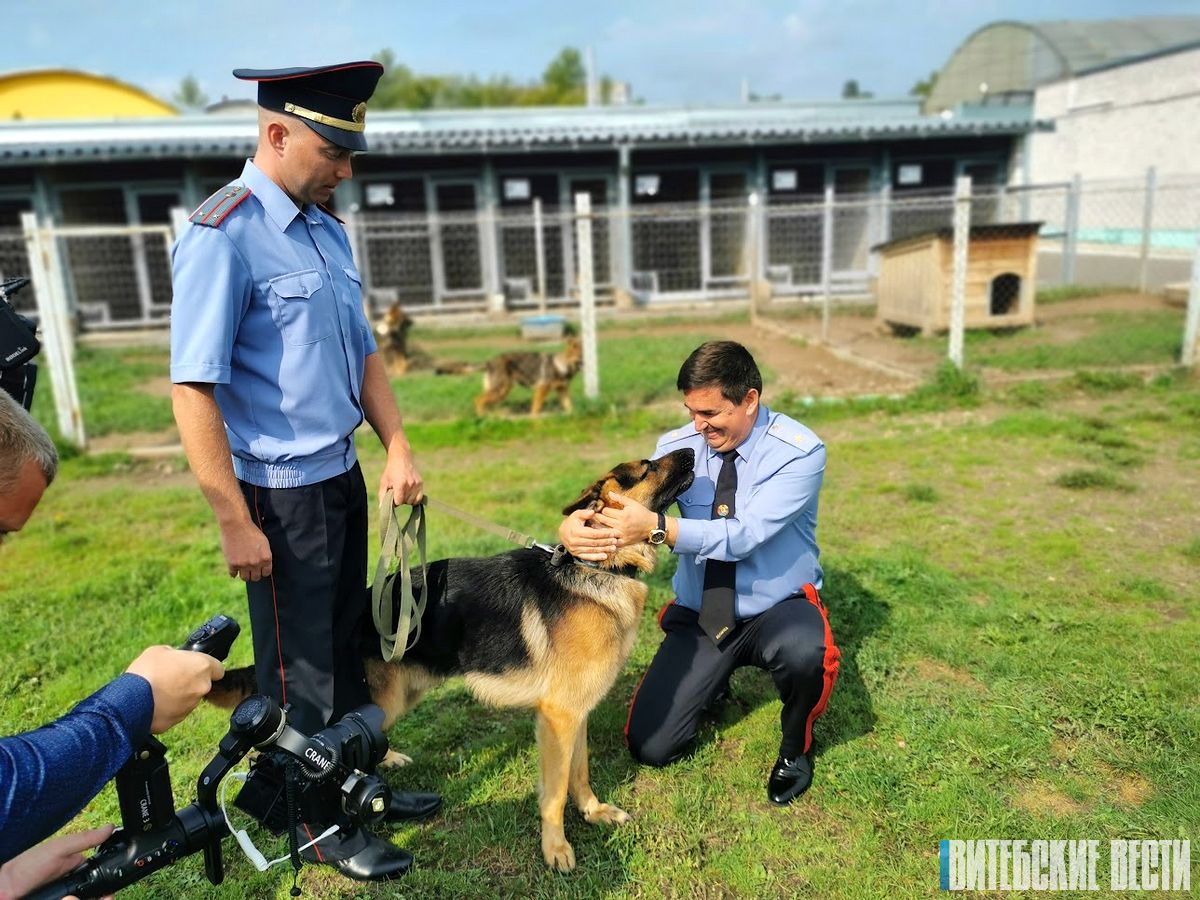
pixel 772 535
pixel 267 306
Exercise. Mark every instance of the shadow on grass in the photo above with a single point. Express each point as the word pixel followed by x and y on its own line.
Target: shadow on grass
pixel 484 762
pixel 855 613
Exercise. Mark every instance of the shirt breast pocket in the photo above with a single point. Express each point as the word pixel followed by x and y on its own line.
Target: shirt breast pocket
pixel 299 308
pixel 697 502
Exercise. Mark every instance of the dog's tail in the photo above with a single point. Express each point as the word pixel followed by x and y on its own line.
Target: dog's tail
pixel 236 686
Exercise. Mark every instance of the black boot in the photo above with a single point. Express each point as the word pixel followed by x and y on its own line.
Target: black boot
pixel 412 806
pixel 356 853
pixel 789 779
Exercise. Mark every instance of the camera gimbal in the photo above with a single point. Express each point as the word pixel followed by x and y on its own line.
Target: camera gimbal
pixel 154 835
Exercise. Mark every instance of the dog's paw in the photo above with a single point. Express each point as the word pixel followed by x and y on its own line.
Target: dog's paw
pixel 394 760
pixel 605 814
pixel 558 853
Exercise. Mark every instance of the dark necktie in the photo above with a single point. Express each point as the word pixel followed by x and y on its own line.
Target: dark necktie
pixel 716 605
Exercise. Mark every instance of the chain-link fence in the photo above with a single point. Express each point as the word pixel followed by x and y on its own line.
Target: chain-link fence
pixel 1130 234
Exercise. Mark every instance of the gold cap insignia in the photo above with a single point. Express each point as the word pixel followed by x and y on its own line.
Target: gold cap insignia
pixel 359 113
pixel 722 510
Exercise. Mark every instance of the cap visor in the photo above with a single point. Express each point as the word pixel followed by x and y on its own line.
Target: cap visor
pixel 348 140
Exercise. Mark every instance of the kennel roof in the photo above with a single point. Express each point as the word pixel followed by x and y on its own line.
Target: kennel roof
pixel 527 129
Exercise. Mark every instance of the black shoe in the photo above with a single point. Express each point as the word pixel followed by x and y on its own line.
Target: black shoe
pixel 412 806
pixel 789 779
pixel 358 854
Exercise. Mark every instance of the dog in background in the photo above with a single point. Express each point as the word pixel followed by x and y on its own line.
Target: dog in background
pixel 526 632
pixel 546 373
pixel 391 336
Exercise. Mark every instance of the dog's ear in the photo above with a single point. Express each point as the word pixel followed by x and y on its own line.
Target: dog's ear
pixel 592 498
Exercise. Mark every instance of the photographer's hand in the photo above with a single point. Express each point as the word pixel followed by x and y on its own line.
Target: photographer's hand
pixel 178 680
pixel 47 861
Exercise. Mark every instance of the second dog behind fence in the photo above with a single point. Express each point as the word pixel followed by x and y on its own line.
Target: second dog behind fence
pixel 545 373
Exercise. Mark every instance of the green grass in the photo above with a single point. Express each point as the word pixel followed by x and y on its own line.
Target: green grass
pixel 1062 292
pixel 1114 339
pixel 1018 656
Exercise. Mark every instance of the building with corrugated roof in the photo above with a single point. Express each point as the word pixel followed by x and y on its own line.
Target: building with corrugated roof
pixel 1124 94
pixel 463 183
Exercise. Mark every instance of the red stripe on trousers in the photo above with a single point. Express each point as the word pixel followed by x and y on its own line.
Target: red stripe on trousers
pixel 831 662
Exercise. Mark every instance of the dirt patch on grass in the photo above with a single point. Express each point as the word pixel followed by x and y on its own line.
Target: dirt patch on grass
pixel 1042 799
pixel 934 670
pixel 1125 788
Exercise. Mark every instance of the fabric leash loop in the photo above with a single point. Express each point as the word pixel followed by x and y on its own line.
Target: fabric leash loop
pixel 399 630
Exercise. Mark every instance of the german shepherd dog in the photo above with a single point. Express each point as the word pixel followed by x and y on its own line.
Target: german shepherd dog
pixel 391 336
pixel 525 632
pixel 546 373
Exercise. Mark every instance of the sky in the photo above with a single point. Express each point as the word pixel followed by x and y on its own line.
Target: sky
pixel 670 51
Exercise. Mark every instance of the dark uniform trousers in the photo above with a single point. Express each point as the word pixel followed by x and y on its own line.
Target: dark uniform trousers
pixel 791 640
pixel 308 618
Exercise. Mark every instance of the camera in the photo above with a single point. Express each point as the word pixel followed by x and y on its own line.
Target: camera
pixel 18 346
pixel 153 834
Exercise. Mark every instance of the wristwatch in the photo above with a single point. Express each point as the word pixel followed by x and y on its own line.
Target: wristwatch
pixel 659 534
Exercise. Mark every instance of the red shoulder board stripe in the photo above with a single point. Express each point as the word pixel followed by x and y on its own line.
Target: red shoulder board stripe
pixel 212 212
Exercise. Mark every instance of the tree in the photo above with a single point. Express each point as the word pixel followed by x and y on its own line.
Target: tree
pixel 851 91
pixel 565 79
pixel 189 96
pixel 563 83
pixel 924 87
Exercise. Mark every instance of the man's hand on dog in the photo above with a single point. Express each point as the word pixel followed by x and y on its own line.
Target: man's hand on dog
pixel 584 540
pixel 596 534
pixel 631 521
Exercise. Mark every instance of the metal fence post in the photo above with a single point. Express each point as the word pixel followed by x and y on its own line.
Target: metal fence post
pixel 539 249
pixel 587 294
pixel 1191 328
pixel 50 292
pixel 1147 229
pixel 958 294
pixel 1071 238
pixel 826 261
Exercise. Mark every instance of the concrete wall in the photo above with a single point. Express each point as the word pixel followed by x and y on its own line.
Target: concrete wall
pixel 1116 122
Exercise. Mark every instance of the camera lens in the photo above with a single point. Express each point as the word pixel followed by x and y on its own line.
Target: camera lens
pixel 365 798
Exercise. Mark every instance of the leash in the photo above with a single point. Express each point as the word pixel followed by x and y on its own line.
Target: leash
pixel 399 633
pixel 513 537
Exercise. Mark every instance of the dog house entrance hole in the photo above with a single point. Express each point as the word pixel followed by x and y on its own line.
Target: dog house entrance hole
pixel 1006 291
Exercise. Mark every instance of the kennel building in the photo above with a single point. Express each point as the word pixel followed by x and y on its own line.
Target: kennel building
pixel 442 211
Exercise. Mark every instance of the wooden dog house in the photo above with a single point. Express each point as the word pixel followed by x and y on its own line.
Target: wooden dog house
pixel 916 278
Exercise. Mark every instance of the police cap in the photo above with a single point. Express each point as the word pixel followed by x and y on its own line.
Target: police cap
pixel 332 100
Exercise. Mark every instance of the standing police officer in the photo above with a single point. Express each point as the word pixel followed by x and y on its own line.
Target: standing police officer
pixel 274 367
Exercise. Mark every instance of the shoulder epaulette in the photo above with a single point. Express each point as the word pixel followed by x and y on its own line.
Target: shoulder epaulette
pixel 329 212
pixel 212 212
pixel 794 435
pixel 678 434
